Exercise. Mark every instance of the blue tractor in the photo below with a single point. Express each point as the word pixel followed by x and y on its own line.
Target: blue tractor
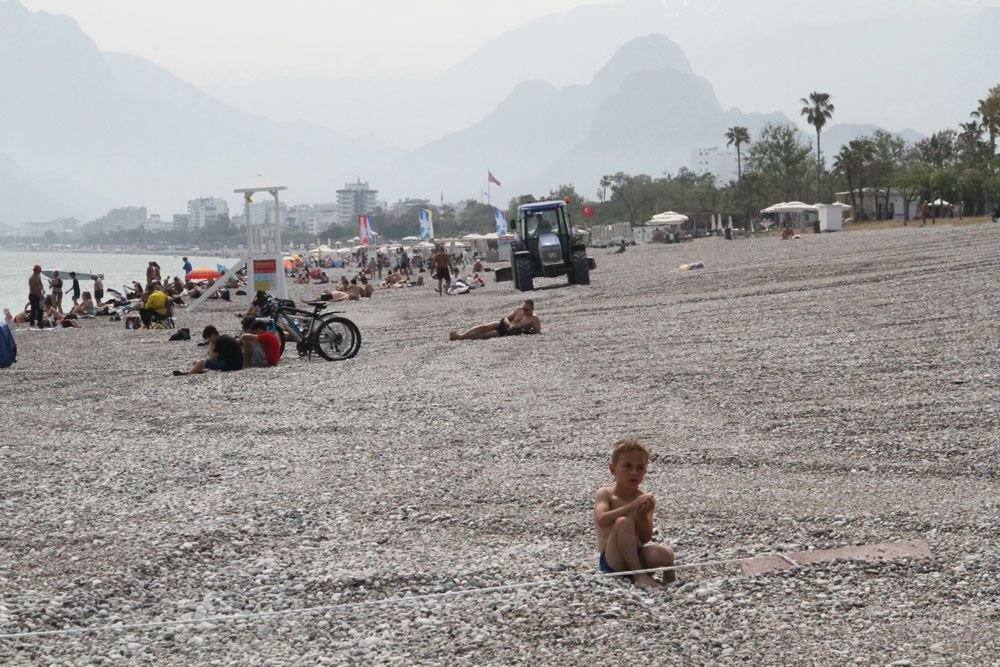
pixel 545 246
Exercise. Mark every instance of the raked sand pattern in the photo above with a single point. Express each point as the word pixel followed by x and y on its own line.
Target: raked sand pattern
pixel 833 391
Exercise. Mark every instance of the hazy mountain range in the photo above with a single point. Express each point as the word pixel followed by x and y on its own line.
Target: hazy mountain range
pixel 563 99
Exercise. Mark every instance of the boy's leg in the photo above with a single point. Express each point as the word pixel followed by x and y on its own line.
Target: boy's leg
pixel 659 555
pixel 622 552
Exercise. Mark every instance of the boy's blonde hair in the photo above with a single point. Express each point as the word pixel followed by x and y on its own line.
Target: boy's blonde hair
pixel 623 447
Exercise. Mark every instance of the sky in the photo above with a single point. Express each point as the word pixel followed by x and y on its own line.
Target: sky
pixel 211 42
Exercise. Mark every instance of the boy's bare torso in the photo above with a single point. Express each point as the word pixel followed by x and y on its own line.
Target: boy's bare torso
pixel 614 502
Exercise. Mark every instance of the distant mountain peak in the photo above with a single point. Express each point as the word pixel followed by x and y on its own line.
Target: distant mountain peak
pixel 643 54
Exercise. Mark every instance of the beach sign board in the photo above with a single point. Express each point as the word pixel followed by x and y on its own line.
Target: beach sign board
pixel 267 273
pixel 501 223
pixel 426 219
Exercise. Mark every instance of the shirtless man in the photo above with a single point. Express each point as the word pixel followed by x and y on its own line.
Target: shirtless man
pixel 441 272
pixel 522 320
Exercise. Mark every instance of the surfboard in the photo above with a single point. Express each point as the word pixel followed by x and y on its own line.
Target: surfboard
pixel 79 276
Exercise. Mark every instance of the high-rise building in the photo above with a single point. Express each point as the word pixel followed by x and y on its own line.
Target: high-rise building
pixel 262 213
pixel 206 211
pixel 181 222
pixel 312 218
pixel 353 200
pixel 60 227
pixel 120 219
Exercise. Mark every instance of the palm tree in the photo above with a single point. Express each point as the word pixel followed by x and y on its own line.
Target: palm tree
pixel 988 112
pixel 817 109
pixel 852 161
pixel 738 135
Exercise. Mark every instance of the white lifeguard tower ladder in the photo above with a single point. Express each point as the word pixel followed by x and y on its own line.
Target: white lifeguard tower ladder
pixel 264 260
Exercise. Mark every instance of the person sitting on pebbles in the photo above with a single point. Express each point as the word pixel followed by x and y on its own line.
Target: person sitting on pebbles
pixel 224 354
pixel 623 516
pixel 522 320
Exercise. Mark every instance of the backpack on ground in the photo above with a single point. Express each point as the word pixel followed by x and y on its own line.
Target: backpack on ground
pixel 8 348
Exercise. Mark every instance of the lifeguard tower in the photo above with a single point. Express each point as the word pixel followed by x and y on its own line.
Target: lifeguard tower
pixel 264 261
pixel 265 264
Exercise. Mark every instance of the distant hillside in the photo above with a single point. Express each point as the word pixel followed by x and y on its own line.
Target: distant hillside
pixel 644 111
pixel 125 128
pixel 563 49
pixel 38 197
pixel 897 63
pixel 85 130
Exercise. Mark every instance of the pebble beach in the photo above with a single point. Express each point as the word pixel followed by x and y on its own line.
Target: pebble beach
pixel 830 391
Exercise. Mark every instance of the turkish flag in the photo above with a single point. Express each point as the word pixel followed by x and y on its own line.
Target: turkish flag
pixel 588 211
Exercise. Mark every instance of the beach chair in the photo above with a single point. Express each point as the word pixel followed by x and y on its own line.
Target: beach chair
pixel 163 321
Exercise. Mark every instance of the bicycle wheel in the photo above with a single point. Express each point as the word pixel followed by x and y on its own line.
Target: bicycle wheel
pixel 336 339
pixel 354 330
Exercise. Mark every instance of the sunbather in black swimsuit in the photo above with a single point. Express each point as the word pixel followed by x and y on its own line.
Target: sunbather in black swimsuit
pixel 504 329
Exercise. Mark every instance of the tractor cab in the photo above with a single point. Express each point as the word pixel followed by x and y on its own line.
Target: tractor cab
pixel 545 247
pixel 544 230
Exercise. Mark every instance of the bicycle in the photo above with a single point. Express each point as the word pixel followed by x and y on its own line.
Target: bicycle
pixel 332 337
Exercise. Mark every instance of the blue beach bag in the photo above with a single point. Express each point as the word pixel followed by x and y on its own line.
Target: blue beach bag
pixel 8 348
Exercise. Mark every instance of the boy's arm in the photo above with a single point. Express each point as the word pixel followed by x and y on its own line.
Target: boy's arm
pixel 604 516
pixel 644 522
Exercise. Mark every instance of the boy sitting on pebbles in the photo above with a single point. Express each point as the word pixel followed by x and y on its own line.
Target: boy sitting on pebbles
pixel 623 515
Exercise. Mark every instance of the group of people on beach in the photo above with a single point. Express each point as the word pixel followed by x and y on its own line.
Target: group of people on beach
pixel 257 347
pixel 45 311
pixel 391 272
pixel 141 302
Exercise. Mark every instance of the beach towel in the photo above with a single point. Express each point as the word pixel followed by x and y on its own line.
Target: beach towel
pixel 8 348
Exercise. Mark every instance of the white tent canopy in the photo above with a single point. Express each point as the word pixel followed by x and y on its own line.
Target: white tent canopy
pixel 668 218
pixel 473 237
pixel 321 250
pixel 409 239
pixel 790 207
pixel 940 202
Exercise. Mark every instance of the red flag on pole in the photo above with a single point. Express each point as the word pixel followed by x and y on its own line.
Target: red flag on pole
pixel 588 211
pixel 493 179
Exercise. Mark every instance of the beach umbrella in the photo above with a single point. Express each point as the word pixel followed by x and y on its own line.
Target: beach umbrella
pixel 668 218
pixel 203 273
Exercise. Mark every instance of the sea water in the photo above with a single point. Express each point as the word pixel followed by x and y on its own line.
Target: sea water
pixel 118 270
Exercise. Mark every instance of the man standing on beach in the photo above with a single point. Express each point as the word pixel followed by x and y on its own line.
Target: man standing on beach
pixel 187 267
pixel 441 272
pixel 75 288
pixel 35 294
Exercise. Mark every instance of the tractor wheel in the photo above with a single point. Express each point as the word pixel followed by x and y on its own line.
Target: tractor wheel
pixel 523 279
pixel 580 273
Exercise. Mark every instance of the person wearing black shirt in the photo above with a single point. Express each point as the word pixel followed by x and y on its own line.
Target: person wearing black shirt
pixel 75 288
pixel 224 354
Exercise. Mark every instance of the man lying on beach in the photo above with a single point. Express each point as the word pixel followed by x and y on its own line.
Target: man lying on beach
pixel 224 354
pixel 623 515
pixel 522 320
